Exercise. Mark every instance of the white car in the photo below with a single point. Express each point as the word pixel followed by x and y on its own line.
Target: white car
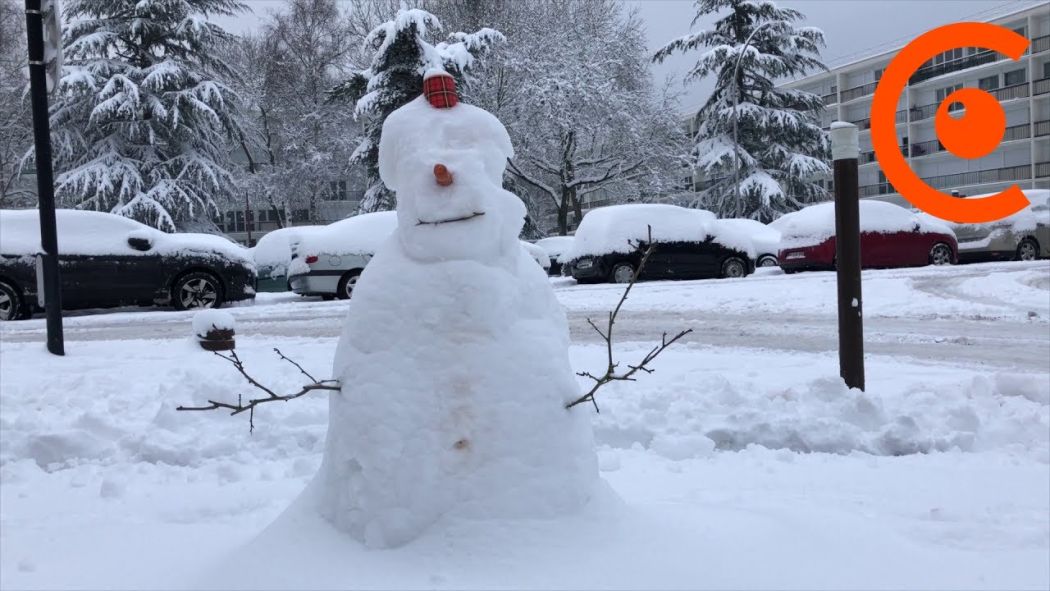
pixel 556 247
pixel 538 254
pixel 327 261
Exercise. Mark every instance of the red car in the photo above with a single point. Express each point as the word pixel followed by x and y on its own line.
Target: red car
pixel 890 236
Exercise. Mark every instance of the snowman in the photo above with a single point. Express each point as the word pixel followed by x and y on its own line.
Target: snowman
pixel 454 356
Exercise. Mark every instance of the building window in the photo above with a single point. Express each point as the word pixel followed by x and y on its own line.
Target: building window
pixel 1046 70
pixel 337 190
pixel 989 83
pixel 878 74
pixel 1014 77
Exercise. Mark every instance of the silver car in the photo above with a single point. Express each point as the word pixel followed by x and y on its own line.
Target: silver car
pixel 328 261
pixel 1024 236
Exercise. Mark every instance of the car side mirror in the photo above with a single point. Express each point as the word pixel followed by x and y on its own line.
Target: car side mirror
pixel 140 243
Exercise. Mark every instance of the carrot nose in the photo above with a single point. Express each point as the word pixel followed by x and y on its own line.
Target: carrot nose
pixel 442 175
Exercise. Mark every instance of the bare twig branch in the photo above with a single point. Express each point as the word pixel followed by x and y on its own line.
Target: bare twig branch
pixel 610 374
pixel 271 396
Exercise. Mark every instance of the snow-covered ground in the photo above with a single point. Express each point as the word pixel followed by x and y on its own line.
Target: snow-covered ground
pixel 741 463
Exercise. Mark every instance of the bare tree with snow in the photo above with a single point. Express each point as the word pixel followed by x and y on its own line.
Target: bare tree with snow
pixel 142 116
pixel 16 130
pixel 294 141
pixel 761 148
pixel 573 87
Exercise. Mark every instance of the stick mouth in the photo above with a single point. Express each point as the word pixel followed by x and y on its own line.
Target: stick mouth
pixel 451 220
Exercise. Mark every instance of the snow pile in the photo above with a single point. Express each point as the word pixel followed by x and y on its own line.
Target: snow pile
pixel 274 250
pixel 765 238
pixel 207 320
pixel 538 254
pixel 816 223
pixel 454 356
pixel 96 233
pixel 619 229
pixel 556 247
pixel 360 234
pixel 693 411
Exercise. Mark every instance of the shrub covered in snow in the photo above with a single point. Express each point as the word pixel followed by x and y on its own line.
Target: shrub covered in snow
pixel 206 321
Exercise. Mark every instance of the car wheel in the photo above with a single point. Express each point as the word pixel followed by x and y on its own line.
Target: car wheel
pixel 197 291
pixel 768 261
pixel 11 306
pixel 1028 250
pixel 941 254
pixel 734 267
pixel 622 272
pixel 346 285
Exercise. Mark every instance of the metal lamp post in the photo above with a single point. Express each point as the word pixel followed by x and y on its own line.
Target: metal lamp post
pixel 736 107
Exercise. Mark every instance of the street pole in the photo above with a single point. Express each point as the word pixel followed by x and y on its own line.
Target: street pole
pixel 845 151
pixel 45 182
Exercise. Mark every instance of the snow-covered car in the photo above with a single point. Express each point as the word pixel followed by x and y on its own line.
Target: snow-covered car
pixel 328 260
pixel 1024 236
pixel 890 236
pixel 556 247
pixel 272 255
pixel 766 239
pixel 538 254
pixel 690 244
pixel 108 260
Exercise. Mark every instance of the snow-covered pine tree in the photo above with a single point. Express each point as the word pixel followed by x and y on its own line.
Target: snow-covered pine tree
pixel 401 56
pixel 16 129
pixel 141 116
pixel 780 147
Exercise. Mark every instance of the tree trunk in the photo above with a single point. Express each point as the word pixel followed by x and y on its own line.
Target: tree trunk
pixel 563 214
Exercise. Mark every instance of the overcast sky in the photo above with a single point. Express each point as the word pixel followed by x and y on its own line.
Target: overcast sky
pixel 853 28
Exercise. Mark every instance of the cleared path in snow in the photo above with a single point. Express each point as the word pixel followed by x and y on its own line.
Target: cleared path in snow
pixel 995 315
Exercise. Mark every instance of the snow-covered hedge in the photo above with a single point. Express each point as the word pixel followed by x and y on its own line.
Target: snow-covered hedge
pixel 816 223
pixel 96 233
pixel 618 228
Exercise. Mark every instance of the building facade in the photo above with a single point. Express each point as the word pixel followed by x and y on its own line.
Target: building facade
pixel 1022 88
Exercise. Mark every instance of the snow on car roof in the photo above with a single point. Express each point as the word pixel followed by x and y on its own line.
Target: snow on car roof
pixel 555 245
pixel 816 223
pixel 98 233
pixel 360 234
pixel 765 238
pixel 1026 220
pixel 274 248
pixel 617 228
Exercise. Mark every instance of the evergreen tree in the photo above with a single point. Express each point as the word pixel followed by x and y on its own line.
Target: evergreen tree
pixel 141 115
pixel 16 127
pixel 401 56
pixel 780 148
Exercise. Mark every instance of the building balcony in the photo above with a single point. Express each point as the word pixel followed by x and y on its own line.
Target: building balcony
pixel 858 91
pixel 962 179
pixel 1041 86
pixel 1041 44
pixel 1007 93
pixel 830 99
pixel 1042 128
pixel 1012 133
pixel 1042 170
pixel 862 124
pixel 972 61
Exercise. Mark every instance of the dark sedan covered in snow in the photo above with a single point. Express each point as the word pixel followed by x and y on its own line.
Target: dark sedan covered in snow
pixel 689 244
pixel 107 260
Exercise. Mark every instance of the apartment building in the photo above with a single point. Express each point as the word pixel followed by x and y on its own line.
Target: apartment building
pixel 1022 88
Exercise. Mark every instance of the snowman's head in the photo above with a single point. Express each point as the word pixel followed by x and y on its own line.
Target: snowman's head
pixel 446 166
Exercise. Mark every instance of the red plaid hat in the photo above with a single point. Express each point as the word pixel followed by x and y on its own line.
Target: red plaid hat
pixel 440 90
